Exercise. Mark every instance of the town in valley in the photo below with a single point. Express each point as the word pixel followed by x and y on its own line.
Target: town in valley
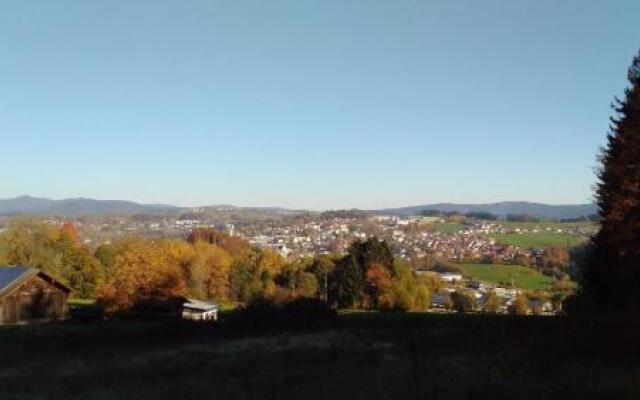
pixel 474 253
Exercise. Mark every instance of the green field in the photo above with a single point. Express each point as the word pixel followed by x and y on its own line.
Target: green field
pixel 355 356
pixel 448 227
pixel 519 276
pixel 539 240
pixel 589 225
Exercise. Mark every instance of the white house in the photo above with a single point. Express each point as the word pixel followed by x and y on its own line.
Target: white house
pixel 506 293
pixel 450 277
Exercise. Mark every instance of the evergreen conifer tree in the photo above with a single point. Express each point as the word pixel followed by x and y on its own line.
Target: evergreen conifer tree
pixel 611 275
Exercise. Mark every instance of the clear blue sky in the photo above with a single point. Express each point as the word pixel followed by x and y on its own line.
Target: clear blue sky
pixel 311 104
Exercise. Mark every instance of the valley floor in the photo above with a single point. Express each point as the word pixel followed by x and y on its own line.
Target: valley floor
pixel 354 356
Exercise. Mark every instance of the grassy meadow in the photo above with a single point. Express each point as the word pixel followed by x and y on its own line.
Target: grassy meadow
pixel 553 225
pixel 448 227
pixel 519 276
pixel 539 239
pixel 352 356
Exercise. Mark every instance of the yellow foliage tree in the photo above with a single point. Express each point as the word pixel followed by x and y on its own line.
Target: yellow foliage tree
pixel 271 261
pixel 209 273
pixel 144 271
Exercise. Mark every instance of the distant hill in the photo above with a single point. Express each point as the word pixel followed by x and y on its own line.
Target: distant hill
pixel 27 205
pixel 536 210
pixel 269 210
pixel 246 212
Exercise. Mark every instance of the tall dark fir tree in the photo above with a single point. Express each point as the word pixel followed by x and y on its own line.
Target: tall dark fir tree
pixel 611 276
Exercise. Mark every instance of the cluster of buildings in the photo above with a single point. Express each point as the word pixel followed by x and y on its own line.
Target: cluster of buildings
pixel 409 238
pixel 293 236
pixel 452 282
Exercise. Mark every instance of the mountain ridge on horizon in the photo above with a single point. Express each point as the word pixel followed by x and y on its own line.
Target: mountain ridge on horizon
pixel 504 208
pixel 80 206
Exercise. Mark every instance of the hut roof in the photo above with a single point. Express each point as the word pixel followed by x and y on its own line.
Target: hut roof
pixel 10 277
pixel 200 305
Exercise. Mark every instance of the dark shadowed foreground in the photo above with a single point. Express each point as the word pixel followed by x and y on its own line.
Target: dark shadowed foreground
pixel 354 356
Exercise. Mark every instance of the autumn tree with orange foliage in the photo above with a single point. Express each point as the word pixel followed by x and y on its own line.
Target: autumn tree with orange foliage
pixel 378 285
pixel 70 229
pixel 144 272
pixel 56 251
pixel 209 273
pixel 236 247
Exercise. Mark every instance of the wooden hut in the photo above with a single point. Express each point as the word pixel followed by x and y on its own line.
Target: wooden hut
pixel 29 295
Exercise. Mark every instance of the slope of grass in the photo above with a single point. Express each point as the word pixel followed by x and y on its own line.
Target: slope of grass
pixel 356 356
pixel 539 240
pixel 519 276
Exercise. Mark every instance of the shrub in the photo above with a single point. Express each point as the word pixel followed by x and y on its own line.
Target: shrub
pixel 422 298
pixel 492 303
pixel 463 301
pixel 520 306
pixel 403 299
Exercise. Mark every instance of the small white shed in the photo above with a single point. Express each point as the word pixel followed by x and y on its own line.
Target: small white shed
pixel 196 310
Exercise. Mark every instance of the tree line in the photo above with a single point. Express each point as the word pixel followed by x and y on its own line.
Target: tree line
pixel 211 265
